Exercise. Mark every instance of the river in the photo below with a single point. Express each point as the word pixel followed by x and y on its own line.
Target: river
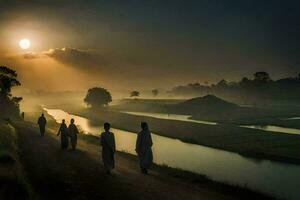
pixel 272 128
pixel 275 178
pixel 269 128
pixel 177 117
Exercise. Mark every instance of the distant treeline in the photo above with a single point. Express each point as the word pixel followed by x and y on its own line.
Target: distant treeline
pixel 261 88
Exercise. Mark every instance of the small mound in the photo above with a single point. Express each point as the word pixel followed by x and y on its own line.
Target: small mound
pixel 208 102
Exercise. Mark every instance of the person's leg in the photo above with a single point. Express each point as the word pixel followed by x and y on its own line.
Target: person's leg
pixel 108 171
pixel 62 143
pixel 144 170
pixel 74 144
pixel 41 131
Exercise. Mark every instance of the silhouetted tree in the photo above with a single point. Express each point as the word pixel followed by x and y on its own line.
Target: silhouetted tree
pixel 262 76
pixel 260 88
pixel 17 100
pixel 9 105
pixel 97 97
pixel 155 92
pixel 8 79
pixel 223 83
pixel 134 94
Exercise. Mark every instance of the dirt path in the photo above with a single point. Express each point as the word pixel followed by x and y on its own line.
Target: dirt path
pixel 56 174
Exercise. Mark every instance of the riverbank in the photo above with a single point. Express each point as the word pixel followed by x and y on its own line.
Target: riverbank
pixel 251 143
pixel 80 174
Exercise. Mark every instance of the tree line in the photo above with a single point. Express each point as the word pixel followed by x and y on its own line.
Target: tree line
pixel 260 87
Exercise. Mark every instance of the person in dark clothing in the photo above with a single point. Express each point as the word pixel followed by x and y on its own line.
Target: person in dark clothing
pixel 63 132
pixel 73 131
pixel 108 148
pixel 23 116
pixel 42 124
pixel 143 148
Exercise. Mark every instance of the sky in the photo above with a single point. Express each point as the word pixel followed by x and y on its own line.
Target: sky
pixel 135 44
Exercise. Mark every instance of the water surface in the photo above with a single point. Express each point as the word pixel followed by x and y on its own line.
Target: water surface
pixel 269 128
pixel 272 128
pixel 293 118
pixel 177 117
pixel 278 179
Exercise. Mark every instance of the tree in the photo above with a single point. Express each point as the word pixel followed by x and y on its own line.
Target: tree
pixel 222 84
pixel 8 79
pixel 155 92
pixel 262 77
pixel 134 94
pixel 97 97
pixel 9 105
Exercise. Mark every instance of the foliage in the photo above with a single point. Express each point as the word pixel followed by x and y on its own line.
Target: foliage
pixel 262 76
pixel 8 79
pixel 134 94
pixel 98 97
pixel 155 92
pixel 256 90
pixel 9 105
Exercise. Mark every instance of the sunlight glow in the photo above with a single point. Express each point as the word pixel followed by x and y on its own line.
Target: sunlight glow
pixel 24 43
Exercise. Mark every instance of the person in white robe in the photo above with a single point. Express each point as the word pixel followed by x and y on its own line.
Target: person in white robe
pixel 108 148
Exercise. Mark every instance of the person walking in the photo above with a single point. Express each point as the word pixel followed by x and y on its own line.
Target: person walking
pixel 143 148
pixel 63 132
pixel 73 131
pixel 42 124
pixel 108 148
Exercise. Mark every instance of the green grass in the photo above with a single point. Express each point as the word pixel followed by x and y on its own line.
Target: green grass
pixel 13 184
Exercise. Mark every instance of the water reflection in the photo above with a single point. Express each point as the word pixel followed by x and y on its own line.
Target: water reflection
pixel 278 179
pixel 269 128
pixel 170 117
pixel 273 129
pixel 293 118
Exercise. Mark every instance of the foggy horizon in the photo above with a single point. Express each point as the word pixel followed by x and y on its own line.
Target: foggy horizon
pixel 146 45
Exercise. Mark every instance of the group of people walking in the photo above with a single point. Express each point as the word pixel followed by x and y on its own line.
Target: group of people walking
pixel 64 132
pixel 143 146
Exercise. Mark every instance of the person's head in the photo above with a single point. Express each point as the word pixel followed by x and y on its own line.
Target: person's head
pixel 106 126
pixel 144 125
pixel 72 121
pixel 42 114
pixel 63 121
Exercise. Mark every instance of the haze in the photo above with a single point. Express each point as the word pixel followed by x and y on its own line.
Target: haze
pixel 144 45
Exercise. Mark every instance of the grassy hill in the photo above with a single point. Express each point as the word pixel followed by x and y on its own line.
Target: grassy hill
pixel 12 181
pixel 208 103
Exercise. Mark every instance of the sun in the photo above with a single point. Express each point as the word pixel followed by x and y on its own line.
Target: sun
pixel 24 44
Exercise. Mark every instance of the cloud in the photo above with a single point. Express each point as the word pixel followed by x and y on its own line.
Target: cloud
pixel 32 55
pixel 84 59
pixel 88 61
